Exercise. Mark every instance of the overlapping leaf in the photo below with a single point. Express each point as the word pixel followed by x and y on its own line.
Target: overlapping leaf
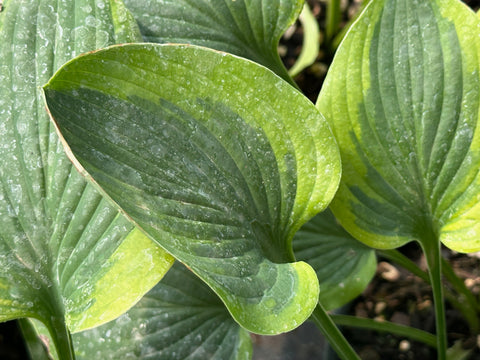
pixel 403 99
pixel 344 266
pixel 248 28
pixel 64 250
pixel 212 155
pixel 180 318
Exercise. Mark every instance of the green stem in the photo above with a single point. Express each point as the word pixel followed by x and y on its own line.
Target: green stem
pixel 386 326
pixel 431 249
pixel 333 22
pixel 61 337
pixel 400 259
pixel 54 320
pixel 333 335
pixel 459 285
pixel 465 303
pixel 35 347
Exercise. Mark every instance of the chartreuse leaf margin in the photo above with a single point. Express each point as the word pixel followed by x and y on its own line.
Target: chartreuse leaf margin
pixel 181 318
pixel 215 157
pixel 248 28
pixel 65 252
pixel 402 97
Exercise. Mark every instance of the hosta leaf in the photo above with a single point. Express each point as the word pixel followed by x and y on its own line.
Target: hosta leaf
pixel 403 99
pixel 344 266
pixel 248 28
pixel 311 41
pixel 180 318
pixel 215 157
pixel 64 250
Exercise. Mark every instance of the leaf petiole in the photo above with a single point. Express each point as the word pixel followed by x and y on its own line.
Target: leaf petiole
pixel 386 326
pixel 431 249
pixel 333 335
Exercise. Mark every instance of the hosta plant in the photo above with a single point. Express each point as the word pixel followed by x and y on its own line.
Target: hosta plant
pixel 189 140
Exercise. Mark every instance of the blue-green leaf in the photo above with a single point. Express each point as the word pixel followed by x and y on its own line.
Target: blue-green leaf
pixel 402 97
pixel 64 250
pixel 344 266
pixel 215 157
pixel 248 28
pixel 180 318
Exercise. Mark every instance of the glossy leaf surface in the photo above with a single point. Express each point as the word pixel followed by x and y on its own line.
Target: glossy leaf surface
pixel 215 157
pixel 64 250
pixel 403 97
pixel 180 318
pixel 248 28
pixel 344 266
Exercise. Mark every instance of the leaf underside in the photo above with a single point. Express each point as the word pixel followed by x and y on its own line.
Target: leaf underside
pixel 402 97
pixel 205 153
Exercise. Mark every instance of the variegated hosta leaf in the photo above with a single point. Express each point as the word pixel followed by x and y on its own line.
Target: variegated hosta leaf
pixel 403 99
pixel 215 157
pixel 66 254
pixel 180 318
pixel 344 266
pixel 248 28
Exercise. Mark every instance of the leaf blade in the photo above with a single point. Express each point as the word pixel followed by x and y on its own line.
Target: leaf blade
pixel 216 184
pixel 55 228
pixel 409 139
pixel 344 266
pixel 179 317
pixel 251 29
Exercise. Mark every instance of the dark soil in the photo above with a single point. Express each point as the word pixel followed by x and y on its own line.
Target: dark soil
pixel 12 346
pixel 398 296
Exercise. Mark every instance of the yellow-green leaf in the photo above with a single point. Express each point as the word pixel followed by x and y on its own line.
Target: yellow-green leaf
pixel 215 157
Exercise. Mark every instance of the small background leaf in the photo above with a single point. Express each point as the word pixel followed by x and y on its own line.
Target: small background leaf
pixel 64 249
pixel 311 42
pixel 248 28
pixel 344 266
pixel 219 170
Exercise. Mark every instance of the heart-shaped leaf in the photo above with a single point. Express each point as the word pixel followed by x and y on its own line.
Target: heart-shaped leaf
pixel 344 266
pixel 403 97
pixel 248 28
pixel 215 157
pixel 179 318
pixel 66 254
